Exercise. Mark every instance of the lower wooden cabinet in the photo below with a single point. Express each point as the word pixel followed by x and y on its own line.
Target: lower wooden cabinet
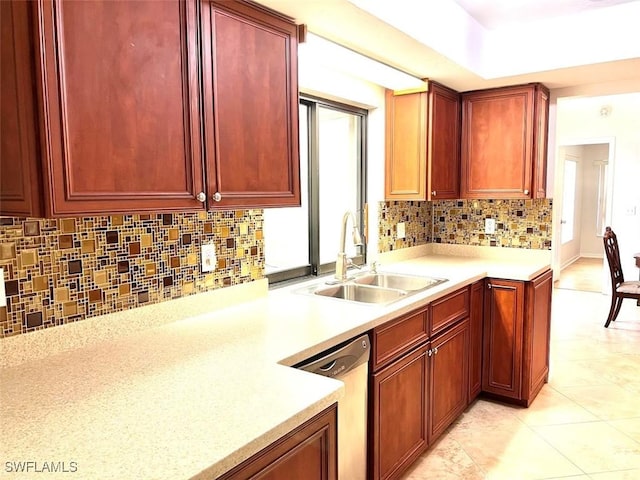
pixel 476 315
pixel 516 337
pixel 398 415
pixel 449 378
pixel 309 452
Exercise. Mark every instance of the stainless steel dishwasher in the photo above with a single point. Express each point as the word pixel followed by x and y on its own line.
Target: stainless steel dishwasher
pixel 348 362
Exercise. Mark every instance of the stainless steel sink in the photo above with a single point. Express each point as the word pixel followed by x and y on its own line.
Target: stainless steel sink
pixel 361 293
pixel 398 281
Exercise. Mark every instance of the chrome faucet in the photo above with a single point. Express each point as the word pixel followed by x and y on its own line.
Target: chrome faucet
pixel 342 262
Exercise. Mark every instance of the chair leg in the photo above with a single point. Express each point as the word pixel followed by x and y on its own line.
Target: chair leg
pixel 615 307
pixel 618 305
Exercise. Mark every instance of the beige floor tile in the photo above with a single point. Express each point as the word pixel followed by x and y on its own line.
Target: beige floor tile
pixel 445 461
pixel 487 414
pixel 607 402
pixel 514 454
pixel 594 447
pixel 552 408
pixel 572 373
pixel 628 426
pixel 619 475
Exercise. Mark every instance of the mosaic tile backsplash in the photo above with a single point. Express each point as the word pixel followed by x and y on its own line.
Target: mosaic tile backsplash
pixel 417 217
pixel 64 270
pixel 519 223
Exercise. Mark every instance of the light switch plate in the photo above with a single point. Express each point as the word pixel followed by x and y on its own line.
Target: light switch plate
pixel 489 226
pixel 3 295
pixel 208 255
pixel 401 230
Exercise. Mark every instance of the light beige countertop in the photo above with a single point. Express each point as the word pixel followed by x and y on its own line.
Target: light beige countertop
pixel 193 389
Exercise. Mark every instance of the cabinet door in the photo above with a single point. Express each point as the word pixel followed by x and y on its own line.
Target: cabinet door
pixel 537 328
pixel 308 452
pixel 497 143
pixel 19 154
pixel 503 323
pixel 443 147
pixel 251 106
pixel 449 378
pixel 406 146
pixel 476 314
pixel 540 146
pixel 398 411
pixel 121 105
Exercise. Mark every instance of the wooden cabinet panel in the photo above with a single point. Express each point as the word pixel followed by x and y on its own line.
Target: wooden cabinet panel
pixel 449 378
pixel 406 146
pixel 309 452
pixel 541 141
pixel 503 142
pixel 398 336
pixel 120 90
pixel 251 106
pixel 422 144
pixel 398 411
pixel 448 310
pixel 537 329
pixel 476 315
pixel 503 323
pixel 443 145
pixel 19 155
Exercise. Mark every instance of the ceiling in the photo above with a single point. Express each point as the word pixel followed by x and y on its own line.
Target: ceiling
pixel 475 44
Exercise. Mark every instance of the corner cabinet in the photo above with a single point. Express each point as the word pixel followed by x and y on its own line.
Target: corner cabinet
pixel 504 142
pixel 422 159
pixel 249 63
pixel 308 452
pixel 103 107
pixel 516 338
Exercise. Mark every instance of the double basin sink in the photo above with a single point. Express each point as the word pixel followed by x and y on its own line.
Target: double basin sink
pixel 377 288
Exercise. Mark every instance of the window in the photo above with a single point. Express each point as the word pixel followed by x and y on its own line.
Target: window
pixel 304 240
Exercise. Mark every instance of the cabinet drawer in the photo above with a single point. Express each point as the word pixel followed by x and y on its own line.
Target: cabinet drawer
pixel 448 310
pixel 399 336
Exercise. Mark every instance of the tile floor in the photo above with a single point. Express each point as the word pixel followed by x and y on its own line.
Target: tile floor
pixel 584 424
pixel 586 274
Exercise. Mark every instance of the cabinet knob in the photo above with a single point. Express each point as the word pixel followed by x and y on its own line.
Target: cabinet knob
pixel 526 192
pixel 201 197
pixel 433 193
pixel 435 350
pixel 217 197
pixel 489 286
pixel 429 352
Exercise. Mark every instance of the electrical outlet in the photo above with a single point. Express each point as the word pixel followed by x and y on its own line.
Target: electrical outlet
pixel 489 226
pixel 401 230
pixel 208 255
pixel 3 295
pixel 630 211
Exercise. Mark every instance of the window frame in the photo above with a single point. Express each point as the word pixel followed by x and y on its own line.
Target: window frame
pixel 314 268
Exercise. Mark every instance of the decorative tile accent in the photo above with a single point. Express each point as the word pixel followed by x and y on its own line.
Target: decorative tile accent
pixel 65 270
pixel 417 219
pixel 519 223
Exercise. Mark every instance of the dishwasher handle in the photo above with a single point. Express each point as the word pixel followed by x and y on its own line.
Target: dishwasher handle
pixel 338 362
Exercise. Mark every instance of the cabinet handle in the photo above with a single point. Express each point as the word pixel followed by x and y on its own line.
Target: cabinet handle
pixel 489 286
pixel 526 192
pixel 433 193
pixel 429 352
pixel 201 197
pixel 435 350
pixel 217 197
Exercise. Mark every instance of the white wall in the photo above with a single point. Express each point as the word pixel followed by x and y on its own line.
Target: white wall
pixel 578 121
pixel 590 236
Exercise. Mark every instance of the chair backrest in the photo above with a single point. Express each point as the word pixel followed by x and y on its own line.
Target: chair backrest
pixel 613 257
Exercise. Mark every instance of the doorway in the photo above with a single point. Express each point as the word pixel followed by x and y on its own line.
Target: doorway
pixel 583 191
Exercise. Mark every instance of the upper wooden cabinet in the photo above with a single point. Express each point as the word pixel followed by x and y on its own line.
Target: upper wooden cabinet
pixel 422 144
pixel 504 142
pixel 101 107
pixel 249 59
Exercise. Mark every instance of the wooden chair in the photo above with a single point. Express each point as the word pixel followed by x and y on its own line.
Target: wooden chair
pixel 619 288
